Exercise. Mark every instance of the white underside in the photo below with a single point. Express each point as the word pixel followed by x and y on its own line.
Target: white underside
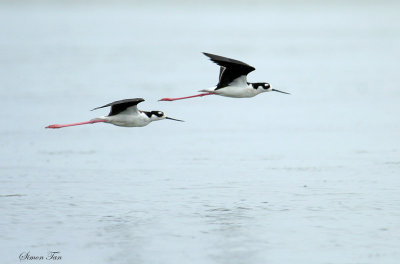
pixel 234 91
pixel 127 120
pixel 239 88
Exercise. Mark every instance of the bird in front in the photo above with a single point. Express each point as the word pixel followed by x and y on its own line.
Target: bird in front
pixel 232 81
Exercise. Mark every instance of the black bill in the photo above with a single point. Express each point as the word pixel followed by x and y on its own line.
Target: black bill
pixel 174 119
pixel 279 91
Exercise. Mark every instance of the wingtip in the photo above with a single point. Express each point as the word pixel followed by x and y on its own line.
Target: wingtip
pixel 209 55
pixel 140 100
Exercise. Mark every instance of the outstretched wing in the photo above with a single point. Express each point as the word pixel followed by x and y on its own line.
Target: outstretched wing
pixel 123 105
pixel 230 69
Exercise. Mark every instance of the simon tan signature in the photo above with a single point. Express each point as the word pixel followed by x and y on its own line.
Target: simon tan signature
pixel 51 255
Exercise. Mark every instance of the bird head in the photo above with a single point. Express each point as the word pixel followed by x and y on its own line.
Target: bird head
pixel 266 87
pixel 158 115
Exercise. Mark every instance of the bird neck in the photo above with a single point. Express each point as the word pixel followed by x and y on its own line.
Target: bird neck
pixel 151 116
pixel 257 88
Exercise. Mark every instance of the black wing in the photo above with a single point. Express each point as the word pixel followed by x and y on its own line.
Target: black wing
pixel 121 105
pixel 230 69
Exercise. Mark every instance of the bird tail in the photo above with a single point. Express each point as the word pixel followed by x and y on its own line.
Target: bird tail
pixel 98 119
pixel 208 90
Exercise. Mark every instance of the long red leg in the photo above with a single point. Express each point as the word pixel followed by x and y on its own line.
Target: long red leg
pixel 75 124
pixel 180 98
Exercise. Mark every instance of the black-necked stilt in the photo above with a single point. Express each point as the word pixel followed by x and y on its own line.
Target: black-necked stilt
pixel 124 113
pixel 232 80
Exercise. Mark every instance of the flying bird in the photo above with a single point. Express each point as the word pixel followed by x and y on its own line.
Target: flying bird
pixel 124 113
pixel 232 80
